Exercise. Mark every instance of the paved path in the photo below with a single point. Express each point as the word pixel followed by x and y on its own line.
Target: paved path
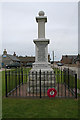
pixel 61 91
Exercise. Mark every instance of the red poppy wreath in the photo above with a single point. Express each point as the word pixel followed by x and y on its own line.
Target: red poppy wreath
pixel 51 92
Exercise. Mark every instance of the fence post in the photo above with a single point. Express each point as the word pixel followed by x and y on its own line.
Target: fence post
pixel 22 75
pixel 68 83
pixel 68 78
pixel 6 82
pixel 64 75
pixel 76 86
pixel 40 82
pixel 16 80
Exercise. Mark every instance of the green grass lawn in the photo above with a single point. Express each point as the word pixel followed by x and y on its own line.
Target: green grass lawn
pixel 39 108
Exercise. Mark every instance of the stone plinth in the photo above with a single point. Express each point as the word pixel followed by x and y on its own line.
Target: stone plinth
pixel 47 81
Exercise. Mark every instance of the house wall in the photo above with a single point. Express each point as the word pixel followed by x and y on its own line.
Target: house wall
pixel 6 61
pixel 28 59
pixel 25 60
pixel 66 60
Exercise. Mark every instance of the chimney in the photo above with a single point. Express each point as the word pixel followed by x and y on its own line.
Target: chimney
pixel 4 52
pixel 14 54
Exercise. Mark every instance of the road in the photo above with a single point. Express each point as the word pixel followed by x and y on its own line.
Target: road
pixel 76 69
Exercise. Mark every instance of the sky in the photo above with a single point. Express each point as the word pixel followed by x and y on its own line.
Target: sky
pixel 19 27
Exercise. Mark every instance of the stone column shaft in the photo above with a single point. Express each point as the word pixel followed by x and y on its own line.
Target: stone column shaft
pixel 41 44
pixel 41 29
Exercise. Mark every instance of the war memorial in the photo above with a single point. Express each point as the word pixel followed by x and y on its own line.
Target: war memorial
pixel 41 64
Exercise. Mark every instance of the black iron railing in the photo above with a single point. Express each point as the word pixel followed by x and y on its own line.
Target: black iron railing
pixel 24 83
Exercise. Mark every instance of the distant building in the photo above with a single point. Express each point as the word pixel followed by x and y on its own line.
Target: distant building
pixel 49 58
pixel 69 59
pixel 28 59
pixel 25 60
pixel 77 60
pixel 8 59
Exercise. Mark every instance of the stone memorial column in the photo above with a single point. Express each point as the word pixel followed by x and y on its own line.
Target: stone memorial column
pixel 41 45
pixel 41 60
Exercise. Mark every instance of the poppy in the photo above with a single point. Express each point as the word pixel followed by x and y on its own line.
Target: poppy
pixel 51 92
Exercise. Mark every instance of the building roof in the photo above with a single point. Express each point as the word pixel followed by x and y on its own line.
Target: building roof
pixel 26 59
pixel 14 58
